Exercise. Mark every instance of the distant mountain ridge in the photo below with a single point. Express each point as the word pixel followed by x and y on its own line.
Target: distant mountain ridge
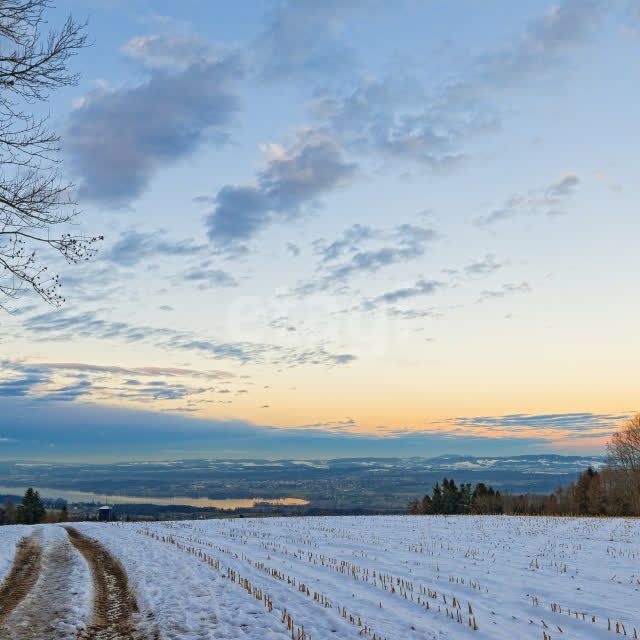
pixel 544 463
pixel 531 463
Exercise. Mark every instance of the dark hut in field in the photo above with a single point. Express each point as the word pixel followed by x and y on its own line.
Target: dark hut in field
pixel 105 513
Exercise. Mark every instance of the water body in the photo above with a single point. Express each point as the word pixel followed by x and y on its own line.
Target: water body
pixel 85 496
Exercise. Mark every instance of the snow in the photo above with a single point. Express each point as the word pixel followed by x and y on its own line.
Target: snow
pixel 353 577
pixel 59 604
pixel 179 595
pixel 62 595
pixel 9 538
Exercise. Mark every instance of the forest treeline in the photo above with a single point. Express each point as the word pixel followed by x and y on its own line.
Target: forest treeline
pixel 613 490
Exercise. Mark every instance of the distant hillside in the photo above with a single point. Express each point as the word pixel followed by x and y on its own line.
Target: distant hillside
pixel 343 484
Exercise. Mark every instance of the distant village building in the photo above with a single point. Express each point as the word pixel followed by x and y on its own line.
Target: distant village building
pixel 105 513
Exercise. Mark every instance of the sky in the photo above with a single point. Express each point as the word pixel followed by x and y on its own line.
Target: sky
pixel 337 228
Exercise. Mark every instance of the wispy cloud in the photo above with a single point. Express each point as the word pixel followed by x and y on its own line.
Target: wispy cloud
pixel 550 201
pixel 483 267
pixel 134 246
pixel 408 117
pixel 72 381
pixel 397 118
pixel 419 289
pixel 352 254
pixel 545 42
pixel 173 50
pixel 551 426
pixel 84 367
pixel 208 278
pixel 21 385
pixel 504 291
pixel 58 325
pixel 301 40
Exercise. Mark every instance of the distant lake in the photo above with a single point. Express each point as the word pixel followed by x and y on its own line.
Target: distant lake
pixel 85 496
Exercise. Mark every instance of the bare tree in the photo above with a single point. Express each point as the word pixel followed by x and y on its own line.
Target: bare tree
pixel 624 447
pixel 36 205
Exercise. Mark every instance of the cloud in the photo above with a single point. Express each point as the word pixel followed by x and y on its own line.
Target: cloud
pixel 564 187
pixel 414 314
pixel 72 381
pixel 406 115
pixel 397 117
pixel 282 323
pixel 20 386
pixel 550 201
pixel 84 367
pixel 58 325
pixel 409 116
pixel 551 426
pixel 420 288
pixel 504 291
pixel 544 43
pixel 349 242
pixel 158 390
pixel 293 249
pixel 292 181
pixel 207 278
pixel 483 267
pixel 67 393
pixel 334 426
pixel 347 256
pixel 375 259
pixel 119 138
pixel 302 40
pixel 171 50
pixel 32 381
pixel 59 430
pixel 135 246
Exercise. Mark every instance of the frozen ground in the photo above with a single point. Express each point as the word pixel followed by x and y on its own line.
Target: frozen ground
pixel 56 601
pixel 373 577
pixel 9 537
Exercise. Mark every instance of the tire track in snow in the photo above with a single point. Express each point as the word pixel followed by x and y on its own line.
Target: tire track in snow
pixel 49 611
pixel 114 605
pixel 22 577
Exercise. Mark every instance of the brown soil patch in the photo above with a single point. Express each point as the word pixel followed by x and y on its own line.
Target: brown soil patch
pixel 23 575
pixel 113 603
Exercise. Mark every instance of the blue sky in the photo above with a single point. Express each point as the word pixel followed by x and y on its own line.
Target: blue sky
pixel 409 226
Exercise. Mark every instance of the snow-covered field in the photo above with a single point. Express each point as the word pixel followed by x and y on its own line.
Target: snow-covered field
pixel 377 577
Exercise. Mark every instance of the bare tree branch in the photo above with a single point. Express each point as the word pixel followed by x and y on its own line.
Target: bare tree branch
pixel 34 201
pixel 624 447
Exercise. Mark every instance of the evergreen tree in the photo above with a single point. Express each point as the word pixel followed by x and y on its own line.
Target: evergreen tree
pixel 30 510
pixel 437 503
pixel 64 513
pixel 451 496
pixel 464 505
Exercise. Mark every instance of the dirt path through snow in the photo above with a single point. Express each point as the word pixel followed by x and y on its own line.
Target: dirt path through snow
pixel 114 606
pixel 22 577
pixel 53 609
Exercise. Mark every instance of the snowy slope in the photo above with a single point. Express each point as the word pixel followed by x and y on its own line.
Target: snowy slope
pixel 518 574
pixel 380 577
pixel 9 538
